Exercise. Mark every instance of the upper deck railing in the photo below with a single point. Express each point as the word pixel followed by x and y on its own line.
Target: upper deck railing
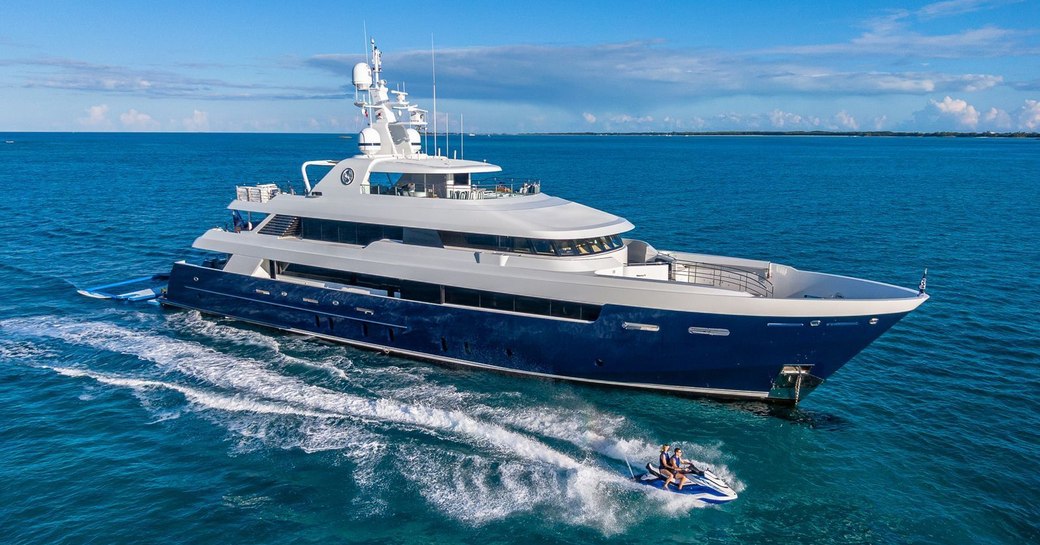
pixel 488 188
pixel 721 276
pixel 508 187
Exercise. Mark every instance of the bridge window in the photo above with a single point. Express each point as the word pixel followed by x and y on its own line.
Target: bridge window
pixel 522 245
pixel 347 232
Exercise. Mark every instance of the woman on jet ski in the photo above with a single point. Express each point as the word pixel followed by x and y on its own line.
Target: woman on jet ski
pixel 664 465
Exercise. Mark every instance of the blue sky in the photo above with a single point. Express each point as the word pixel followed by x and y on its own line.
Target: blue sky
pixel 968 65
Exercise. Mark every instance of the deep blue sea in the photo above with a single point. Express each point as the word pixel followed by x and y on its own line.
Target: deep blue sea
pixel 125 423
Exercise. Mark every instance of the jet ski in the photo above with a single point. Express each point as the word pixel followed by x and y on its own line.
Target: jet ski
pixel 706 487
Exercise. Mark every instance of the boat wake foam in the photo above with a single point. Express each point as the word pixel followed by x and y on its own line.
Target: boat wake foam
pixel 478 462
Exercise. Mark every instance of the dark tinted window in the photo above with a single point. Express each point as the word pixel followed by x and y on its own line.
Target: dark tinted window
pixel 461 296
pixel 590 312
pixel 521 245
pixel 421 291
pixel 431 293
pixel 368 233
pixel 347 232
pixel 566 247
pixel 532 305
pixel 310 229
pixel 497 301
pixel 543 247
pixel 565 309
pixel 319 273
pixel 489 242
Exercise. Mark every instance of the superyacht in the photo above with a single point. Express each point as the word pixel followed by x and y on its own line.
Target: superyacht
pixel 425 256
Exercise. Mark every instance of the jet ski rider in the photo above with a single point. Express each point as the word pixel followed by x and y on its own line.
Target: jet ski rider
pixel 666 467
pixel 683 467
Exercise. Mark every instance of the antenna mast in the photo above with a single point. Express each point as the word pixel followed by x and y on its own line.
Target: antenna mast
pixel 433 63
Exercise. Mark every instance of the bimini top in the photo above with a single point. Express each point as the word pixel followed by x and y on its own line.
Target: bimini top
pixel 393 182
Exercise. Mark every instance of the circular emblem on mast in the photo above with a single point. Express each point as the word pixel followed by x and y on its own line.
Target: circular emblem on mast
pixel 347 176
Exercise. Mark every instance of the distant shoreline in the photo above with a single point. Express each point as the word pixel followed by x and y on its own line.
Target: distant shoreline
pixel 348 136
pixel 945 134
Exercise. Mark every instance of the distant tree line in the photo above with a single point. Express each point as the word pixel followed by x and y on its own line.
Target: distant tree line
pixel 946 134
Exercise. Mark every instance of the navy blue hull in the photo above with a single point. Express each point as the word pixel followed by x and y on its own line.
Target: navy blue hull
pixel 745 363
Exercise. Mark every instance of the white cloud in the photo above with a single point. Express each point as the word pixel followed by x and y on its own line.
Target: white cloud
pixel 997 119
pixel 1029 115
pixel 138 121
pixel 605 75
pixel 589 118
pixel 780 119
pixel 957 114
pixel 846 121
pixel 199 121
pixel 957 7
pixel 97 117
pixel 890 34
pixel 959 110
pixel 625 118
pixel 879 122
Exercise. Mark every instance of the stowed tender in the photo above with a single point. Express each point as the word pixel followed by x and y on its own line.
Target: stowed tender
pixel 414 254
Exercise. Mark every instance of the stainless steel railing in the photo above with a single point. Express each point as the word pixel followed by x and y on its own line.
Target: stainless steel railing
pixel 755 282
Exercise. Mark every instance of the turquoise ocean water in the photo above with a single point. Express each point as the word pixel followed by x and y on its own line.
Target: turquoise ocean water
pixel 125 423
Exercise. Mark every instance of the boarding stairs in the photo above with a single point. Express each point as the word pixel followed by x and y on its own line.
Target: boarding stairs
pixel 282 226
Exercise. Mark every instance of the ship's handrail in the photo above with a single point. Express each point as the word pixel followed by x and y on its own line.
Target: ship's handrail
pixel 265 191
pixel 755 282
pixel 487 188
pixel 257 192
pixel 509 186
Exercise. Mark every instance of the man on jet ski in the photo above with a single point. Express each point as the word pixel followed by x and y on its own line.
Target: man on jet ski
pixel 684 467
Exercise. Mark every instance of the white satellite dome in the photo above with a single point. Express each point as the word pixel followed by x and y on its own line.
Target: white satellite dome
pixel 362 76
pixel 414 140
pixel 369 141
